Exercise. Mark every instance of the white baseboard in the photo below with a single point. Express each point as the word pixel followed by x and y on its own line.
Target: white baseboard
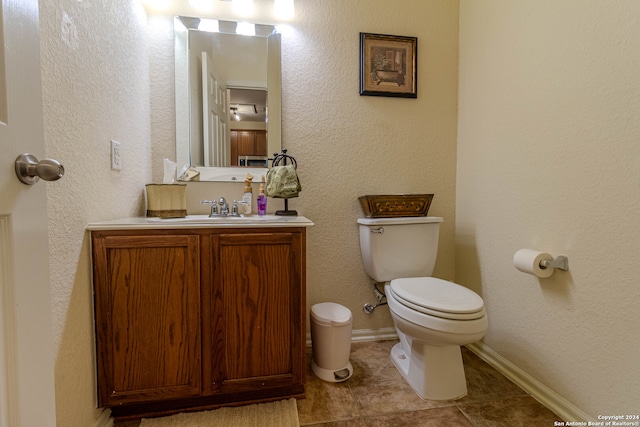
pixel 362 335
pixel 384 334
pixel 543 394
pixel 104 420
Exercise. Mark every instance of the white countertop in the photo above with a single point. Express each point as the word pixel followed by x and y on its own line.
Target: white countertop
pixel 201 221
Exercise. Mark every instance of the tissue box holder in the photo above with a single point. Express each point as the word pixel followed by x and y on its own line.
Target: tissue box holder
pixel 167 200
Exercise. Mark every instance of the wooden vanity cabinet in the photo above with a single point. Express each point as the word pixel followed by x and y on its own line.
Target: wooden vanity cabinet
pixel 198 318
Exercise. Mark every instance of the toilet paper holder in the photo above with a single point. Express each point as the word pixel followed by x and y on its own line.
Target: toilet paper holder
pixel 561 262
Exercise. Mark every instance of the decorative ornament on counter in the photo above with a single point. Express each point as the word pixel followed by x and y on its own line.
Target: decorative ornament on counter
pixel 283 181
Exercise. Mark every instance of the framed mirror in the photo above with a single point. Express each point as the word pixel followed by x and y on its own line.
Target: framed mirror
pixel 228 97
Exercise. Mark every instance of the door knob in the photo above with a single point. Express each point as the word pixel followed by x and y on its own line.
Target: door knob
pixel 29 170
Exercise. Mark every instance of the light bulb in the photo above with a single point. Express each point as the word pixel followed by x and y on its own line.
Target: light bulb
pixel 283 9
pixel 210 25
pixel 246 29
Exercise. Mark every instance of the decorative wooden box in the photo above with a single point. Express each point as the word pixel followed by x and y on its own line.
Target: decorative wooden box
pixel 395 205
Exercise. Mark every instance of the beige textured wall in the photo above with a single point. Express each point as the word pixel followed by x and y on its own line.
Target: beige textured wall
pixel 349 145
pixel 548 158
pixel 95 88
pixel 107 75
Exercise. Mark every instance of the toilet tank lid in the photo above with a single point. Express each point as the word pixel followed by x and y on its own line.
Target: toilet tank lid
pixel 330 314
pixel 400 220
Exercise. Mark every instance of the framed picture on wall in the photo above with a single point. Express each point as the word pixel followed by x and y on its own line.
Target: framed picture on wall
pixel 388 65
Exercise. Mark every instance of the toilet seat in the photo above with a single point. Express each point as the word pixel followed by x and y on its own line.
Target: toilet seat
pixel 437 297
pixel 435 323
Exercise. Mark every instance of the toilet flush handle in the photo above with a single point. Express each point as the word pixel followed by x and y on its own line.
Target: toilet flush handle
pixel 379 230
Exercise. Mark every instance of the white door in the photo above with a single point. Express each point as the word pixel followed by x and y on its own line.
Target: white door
pixel 26 361
pixel 214 115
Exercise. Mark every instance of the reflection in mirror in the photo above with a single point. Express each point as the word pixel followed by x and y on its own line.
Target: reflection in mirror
pixel 228 96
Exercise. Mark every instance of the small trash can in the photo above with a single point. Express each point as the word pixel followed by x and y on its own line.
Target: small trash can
pixel 331 341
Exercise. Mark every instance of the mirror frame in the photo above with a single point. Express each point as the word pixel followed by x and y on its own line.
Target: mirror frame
pixel 183 103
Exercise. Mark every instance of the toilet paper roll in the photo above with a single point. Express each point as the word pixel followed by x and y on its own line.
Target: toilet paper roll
pixel 528 261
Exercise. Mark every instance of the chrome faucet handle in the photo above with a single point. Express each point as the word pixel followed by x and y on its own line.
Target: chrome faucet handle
pixel 224 207
pixel 214 207
pixel 234 209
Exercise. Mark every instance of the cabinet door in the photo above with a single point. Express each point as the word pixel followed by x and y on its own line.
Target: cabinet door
pixel 147 308
pixel 259 279
pixel 246 143
pixel 261 143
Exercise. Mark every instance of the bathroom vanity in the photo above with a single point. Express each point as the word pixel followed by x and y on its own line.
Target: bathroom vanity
pixel 198 314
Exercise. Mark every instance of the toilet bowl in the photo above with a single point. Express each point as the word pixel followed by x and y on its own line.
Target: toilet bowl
pixel 431 331
pixel 433 317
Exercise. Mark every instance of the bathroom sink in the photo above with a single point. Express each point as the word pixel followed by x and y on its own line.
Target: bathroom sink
pixel 229 220
pixel 206 219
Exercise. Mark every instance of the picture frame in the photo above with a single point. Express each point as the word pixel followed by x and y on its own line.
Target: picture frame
pixel 388 65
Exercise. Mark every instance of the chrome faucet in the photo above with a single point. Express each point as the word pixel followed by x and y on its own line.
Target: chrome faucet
pixel 221 208
pixel 224 207
pixel 234 209
pixel 214 207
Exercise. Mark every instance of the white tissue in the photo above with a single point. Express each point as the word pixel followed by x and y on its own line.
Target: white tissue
pixel 170 169
pixel 528 261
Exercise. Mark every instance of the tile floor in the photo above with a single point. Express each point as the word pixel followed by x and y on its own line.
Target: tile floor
pixel 376 395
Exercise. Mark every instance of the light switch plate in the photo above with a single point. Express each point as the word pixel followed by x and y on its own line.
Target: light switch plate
pixel 116 156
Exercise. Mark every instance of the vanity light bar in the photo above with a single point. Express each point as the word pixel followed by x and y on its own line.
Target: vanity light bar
pixel 282 9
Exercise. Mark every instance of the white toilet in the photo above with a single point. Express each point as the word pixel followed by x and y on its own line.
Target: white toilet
pixel 433 317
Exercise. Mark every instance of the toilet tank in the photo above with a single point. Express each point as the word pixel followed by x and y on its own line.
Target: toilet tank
pixel 399 247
